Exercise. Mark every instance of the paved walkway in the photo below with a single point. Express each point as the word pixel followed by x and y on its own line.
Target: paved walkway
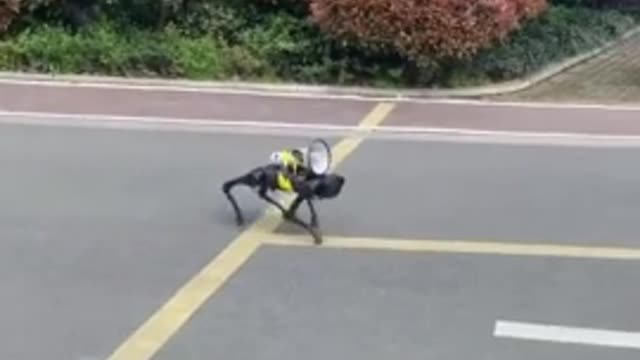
pixel 612 77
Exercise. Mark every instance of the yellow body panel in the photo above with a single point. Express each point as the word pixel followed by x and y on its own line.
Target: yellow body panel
pixel 284 183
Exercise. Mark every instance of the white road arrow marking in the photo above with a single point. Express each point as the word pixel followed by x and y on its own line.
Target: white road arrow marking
pixel 564 334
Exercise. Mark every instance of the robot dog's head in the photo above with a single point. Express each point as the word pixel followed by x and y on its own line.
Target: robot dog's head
pixel 329 186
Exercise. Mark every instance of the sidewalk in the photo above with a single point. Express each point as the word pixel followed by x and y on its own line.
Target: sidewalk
pixel 612 77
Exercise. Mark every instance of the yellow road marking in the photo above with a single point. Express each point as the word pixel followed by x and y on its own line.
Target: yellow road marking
pixel 469 247
pixel 348 145
pixel 167 320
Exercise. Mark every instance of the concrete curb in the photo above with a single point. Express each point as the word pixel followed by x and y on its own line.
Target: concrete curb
pixel 320 90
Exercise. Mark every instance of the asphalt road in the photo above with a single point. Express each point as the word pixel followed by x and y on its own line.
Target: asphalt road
pixel 332 304
pixel 437 190
pixel 102 226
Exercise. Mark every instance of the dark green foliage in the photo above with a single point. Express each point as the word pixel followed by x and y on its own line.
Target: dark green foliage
pixel 269 40
pixel 624 5
pixel 562 33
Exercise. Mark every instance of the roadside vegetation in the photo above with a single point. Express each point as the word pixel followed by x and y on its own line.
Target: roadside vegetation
pixel 422 43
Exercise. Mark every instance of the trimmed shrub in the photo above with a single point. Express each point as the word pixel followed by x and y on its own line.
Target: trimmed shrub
pixel 213 18
pixel 102 50
pixel 227 39
pixel 419 29
pixel 298 8
pixel 600 4
pixel 563 32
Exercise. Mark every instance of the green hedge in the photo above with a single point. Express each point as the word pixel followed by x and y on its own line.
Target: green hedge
pixel 103 50
pixel 562 33
pixel 226 43
pixel 598 4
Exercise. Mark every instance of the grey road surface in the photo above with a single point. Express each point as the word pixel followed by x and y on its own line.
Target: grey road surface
pixel 331 304
pixel 535 194
pixel 100 227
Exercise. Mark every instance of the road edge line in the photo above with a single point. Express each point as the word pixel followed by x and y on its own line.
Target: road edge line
pixel 199 125
pixel 566 334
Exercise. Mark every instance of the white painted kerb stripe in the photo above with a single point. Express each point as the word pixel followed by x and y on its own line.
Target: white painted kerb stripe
pixel 128 121
pixel 288 91
pixel 563 334
pixel 456 135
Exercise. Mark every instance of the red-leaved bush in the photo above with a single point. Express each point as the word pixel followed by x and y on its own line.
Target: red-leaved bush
pixel 8 11
pixel 433 29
